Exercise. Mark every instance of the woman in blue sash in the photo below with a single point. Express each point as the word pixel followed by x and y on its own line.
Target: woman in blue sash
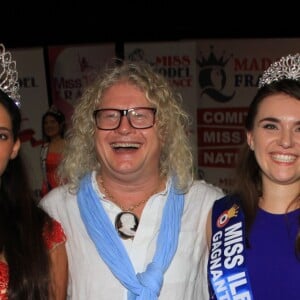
pixel 133 214
pixel 255 245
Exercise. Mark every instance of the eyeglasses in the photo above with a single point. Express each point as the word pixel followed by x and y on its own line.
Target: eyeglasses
pixel 138 117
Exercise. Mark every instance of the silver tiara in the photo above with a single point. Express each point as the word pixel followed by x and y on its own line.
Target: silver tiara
pixel 9 76
pixel 287 67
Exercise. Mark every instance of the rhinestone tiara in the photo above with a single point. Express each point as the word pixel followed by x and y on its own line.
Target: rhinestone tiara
pixel 288 67
pixel 9 76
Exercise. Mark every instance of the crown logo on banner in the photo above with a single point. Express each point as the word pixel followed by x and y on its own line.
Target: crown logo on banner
pixel 9 76
pixel 212 60
pixel 212 76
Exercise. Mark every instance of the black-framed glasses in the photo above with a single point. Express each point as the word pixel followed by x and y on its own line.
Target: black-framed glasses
pixel 138 117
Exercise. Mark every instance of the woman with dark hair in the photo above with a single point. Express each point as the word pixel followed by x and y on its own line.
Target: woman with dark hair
pixel 33 262
pixel 53 128
pixel 255 244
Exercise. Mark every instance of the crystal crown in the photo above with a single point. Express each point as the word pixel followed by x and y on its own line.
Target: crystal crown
pixel 9 76
pixel 287 67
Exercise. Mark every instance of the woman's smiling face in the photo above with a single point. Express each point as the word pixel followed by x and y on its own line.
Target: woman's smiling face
pixel 275 138
pixel 8 147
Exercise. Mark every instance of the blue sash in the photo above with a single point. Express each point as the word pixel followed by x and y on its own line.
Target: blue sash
pixel 227 273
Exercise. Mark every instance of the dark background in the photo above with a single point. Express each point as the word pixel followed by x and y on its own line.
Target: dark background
pixel 24 24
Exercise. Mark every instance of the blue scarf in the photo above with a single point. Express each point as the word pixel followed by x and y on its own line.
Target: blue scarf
pixel 141 286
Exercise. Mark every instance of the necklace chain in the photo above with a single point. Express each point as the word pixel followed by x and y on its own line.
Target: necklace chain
pixel 108 195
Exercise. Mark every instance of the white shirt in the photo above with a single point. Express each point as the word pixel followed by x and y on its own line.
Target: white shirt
pixel 89 276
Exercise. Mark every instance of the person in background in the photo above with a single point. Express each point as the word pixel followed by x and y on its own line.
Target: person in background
pixel 133 213
pixel 53 129
pixel 33 260
pixel 255 244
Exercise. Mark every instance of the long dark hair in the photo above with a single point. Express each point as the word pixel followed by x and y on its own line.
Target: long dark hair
pixel 248 181
pixel 22 224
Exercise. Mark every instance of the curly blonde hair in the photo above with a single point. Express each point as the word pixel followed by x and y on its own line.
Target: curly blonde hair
pixel 176 158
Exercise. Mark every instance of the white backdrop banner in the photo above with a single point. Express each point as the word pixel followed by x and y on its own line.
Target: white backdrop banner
pixel 217 79
pixel 34 102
